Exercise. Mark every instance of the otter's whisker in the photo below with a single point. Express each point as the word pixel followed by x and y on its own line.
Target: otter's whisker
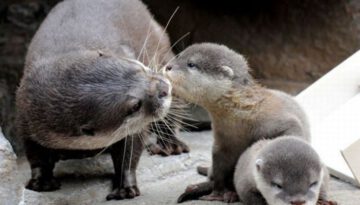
pixel 123 160
pixel 145 41
pixel 145 68
pixel 181 122
pixel 173 57
pixel 172 46
pixel 172 131
pixel 158 130
pixel 132 149
pixel 108 145
pixel 163 33
pixel 181 114
pixel 162 133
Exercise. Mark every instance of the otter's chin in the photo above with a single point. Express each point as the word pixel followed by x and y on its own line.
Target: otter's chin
pixel 163 110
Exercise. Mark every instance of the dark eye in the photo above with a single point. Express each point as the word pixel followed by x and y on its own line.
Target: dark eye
pixel 274 184
pixel 313 184
pixel 136 107
pixel 191 65
pixel 87 130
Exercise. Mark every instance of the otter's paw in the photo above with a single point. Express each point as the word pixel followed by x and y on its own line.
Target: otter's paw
pixel 123 193
pixel 43 184
pixel 202 170
pixel 231 197
pixel 166 148
pixel 227 197
pixel 195 191
pixel 324 202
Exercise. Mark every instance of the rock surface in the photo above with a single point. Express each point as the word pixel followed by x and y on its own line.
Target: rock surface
pixel 11 188
pixel 161 180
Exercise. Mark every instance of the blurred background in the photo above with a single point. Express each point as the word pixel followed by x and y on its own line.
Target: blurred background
pixel 289 44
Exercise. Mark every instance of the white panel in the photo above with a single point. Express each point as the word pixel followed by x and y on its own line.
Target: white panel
pixel 333 107
pixel 352 157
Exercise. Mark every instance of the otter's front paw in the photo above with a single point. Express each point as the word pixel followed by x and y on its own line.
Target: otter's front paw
pixel 166 148
pixel 124 193
pixel 43 184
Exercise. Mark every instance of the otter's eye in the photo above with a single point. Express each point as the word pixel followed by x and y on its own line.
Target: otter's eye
pixel 87 129
pixel 136 107
pixel 276 185
pixel 191 65
pixel 313 184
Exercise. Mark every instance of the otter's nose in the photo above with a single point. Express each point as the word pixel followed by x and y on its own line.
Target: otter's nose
pixel 163 89
pixel 168 67
pixel 297 202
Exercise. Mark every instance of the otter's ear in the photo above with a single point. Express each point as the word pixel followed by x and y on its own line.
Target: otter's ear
pixel 229 71
pixel 259 163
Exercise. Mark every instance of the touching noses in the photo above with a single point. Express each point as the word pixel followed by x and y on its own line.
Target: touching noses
pixel 297 202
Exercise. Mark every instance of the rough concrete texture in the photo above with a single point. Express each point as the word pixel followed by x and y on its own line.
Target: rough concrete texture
pixel 161 180
pixel 10 187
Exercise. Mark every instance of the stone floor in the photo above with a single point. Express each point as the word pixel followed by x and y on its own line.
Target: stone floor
pixel 161 180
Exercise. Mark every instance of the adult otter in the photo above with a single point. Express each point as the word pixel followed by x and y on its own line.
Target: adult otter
pixel 217 78
pixel 84 90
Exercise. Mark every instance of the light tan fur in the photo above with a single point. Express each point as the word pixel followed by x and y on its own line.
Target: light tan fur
pixel 242 112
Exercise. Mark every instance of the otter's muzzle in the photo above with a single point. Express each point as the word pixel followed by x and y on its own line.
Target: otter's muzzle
pixel 159 96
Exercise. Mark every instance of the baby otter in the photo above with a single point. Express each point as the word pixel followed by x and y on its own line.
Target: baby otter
pixel 83 89
pixel 242 112
pixel 282 171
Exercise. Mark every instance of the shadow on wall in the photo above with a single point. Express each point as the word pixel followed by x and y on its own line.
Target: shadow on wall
pixel 288 43
pixel 287 40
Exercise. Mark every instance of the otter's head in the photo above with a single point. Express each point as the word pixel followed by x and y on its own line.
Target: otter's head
pixel 204 72
pixel 97 95
pixel 124 93
pixel 289 172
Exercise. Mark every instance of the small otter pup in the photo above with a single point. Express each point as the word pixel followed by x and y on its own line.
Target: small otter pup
pixel 83 89
pixel 242 112
pixel 282 171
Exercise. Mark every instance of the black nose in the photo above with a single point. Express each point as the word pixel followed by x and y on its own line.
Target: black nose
pixel 168 67
pixel 297 202
pixel 163 94
pixel 163 89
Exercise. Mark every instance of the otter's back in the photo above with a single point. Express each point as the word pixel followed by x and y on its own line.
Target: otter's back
pixel 119 26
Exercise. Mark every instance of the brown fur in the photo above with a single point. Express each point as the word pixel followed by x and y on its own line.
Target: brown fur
pixel 242 112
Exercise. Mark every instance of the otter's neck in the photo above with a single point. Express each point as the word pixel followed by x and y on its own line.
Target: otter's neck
pixel 240 102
